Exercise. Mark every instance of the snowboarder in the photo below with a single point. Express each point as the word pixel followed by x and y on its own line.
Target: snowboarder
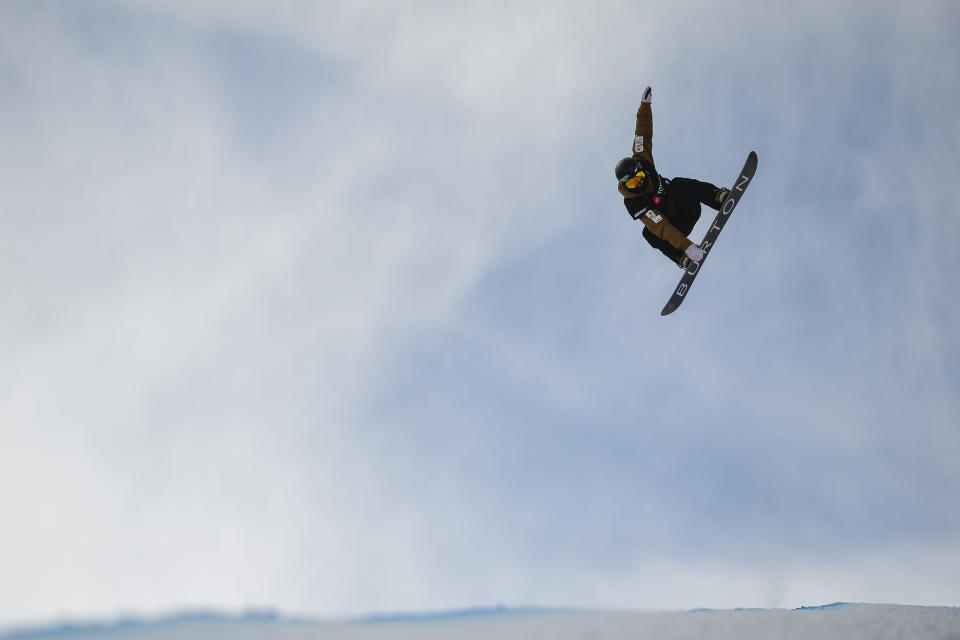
pixel 669 209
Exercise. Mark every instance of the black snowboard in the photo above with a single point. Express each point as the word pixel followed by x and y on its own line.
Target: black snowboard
pixel 736 192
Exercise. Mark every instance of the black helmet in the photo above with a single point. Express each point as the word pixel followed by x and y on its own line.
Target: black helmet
pixel 627 168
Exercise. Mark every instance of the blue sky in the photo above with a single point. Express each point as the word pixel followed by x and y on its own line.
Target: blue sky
pixel 334 307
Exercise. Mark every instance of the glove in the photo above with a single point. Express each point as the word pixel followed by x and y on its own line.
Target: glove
pixel 694 252
pixel 647 95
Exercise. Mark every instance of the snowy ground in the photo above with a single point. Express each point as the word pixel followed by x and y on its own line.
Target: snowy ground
pixel 846 621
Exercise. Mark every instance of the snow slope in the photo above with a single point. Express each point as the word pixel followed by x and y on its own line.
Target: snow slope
pixel 872 621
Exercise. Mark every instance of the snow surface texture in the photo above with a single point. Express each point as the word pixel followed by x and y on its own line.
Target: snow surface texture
pixel 847 621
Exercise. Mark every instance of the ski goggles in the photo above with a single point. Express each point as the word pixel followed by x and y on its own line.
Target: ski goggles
pixel 636 181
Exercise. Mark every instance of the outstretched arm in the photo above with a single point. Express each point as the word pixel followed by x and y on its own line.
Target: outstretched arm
pixel 643 134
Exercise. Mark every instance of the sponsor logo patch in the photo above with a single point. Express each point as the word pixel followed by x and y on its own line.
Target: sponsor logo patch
pixel 638 144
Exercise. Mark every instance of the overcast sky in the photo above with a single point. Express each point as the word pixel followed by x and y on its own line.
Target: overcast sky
pixel 334 307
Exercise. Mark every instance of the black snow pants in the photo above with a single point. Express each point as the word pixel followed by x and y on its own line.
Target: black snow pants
pixel 686 195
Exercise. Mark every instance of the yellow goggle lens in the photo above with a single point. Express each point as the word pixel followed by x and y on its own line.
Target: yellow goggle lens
pixel 636 180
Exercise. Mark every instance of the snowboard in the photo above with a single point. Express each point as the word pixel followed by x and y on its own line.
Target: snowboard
pixel 729 204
